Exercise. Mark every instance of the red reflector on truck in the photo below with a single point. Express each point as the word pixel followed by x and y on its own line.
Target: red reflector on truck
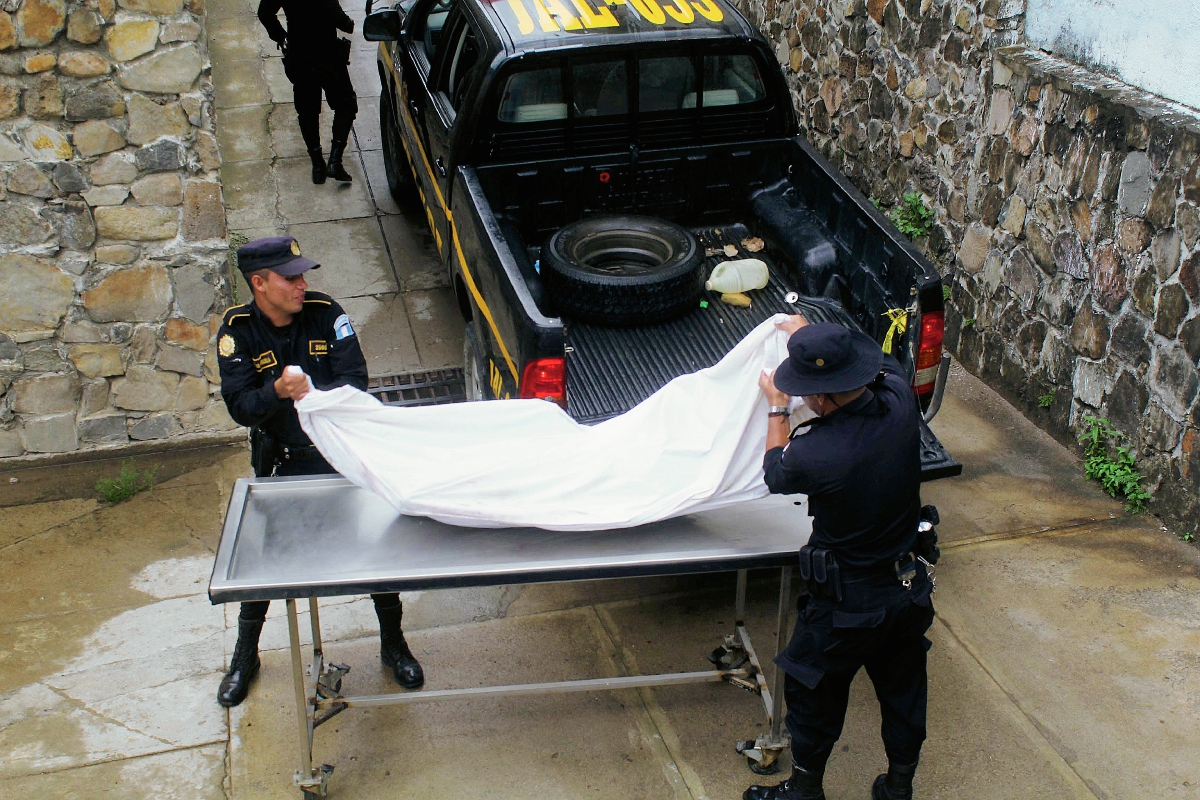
pixel 929 351
pixel 545 379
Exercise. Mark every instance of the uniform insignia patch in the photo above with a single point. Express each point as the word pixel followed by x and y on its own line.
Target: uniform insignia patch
pixel 342 327
pixel 264 361
pixel 226 346
pixel 295 247
pixel 318 347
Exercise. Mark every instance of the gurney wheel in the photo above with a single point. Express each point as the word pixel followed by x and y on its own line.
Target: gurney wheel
pixel 311 796
pixel 756 767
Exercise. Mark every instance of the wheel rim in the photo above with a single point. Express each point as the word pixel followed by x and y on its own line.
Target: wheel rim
pixel 472 386
pixel 622 253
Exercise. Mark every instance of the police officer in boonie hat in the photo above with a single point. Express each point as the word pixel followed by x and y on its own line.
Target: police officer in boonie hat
pixel 868 601
pixel 286 324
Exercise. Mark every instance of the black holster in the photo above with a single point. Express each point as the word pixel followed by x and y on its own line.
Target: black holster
pixel 927 538
pixel 820 572
pixel 264 451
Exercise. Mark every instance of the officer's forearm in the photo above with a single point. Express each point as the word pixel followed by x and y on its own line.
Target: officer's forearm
pixel 249 407
pixel 778 429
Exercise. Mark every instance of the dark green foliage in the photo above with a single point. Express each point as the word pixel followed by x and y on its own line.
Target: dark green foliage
pixel 130 482
pixel 912 217
pixel 1116 474
pixel 1046 400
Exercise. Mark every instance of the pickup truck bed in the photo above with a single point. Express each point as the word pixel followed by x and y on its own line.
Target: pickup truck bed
pixel 610 370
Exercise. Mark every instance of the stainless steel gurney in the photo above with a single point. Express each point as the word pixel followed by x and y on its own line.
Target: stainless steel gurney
pixel 310 537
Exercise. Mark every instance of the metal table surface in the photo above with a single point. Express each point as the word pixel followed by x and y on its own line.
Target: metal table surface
pixel 325 537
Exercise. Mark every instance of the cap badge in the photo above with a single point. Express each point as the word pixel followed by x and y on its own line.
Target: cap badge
pixel 820 362
pixel 226 346
pixel 295 247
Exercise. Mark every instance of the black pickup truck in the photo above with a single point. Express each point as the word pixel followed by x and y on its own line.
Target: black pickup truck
pixel 584 164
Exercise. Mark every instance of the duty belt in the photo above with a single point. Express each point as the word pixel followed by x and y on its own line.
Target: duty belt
pixel 823 576
pixel 291 452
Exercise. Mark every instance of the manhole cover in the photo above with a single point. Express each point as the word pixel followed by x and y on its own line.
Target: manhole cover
pixel 429 388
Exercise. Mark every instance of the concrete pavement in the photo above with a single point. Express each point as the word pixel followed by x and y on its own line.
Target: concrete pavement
pixel 1064 655
pixel 1063 663
pixel 377 259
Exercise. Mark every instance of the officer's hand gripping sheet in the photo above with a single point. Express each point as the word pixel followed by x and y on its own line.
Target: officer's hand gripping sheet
pixel 696 444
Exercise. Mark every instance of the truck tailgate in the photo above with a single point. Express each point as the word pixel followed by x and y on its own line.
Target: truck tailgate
pixel 610 370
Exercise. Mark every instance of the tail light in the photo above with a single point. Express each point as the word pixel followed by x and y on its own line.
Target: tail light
pixel 545 379
pixel 929 351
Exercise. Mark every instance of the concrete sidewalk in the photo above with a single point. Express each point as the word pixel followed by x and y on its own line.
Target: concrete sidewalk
pixel 377 259
pixel 1063 664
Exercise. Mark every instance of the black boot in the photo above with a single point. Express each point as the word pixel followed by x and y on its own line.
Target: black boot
pixel 318 165
pixel 896 784
pixel 243 667
pixel 802 785
pixel 335 168
pixel 393 650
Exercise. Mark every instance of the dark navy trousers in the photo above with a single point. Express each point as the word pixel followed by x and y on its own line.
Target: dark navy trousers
pixel 879 625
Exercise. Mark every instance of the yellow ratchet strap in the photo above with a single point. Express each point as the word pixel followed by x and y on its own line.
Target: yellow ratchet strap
pixel 899 318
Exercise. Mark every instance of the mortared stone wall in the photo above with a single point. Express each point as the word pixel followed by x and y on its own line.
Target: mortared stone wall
pixel 112 228
pixel 1068 208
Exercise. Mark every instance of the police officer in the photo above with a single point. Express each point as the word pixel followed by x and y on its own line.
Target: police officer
pixel 868 602
pixel 315 60
pixel 286 324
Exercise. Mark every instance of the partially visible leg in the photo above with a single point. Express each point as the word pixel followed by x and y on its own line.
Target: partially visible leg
pixel 306 93
pixel 243 666
pixel 393 649
pixel 339 93
pixel 814 719
pixel 898 672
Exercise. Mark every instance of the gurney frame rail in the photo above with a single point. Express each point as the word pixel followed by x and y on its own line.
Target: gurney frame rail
pixel 318 687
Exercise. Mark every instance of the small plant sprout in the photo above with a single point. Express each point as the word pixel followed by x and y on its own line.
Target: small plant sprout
pixel 1115 473
pixel 1046 400
pixel 945 291
pixel 912 217
pixel 969 322
pixel 129 482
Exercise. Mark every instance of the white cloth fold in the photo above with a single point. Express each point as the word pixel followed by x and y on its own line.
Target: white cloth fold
pixel 695 444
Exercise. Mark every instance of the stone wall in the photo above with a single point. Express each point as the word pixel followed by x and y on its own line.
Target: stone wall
pixel 1067 219
pixel 112 229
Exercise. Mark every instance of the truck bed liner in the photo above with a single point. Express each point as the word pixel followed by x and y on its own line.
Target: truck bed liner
pixel 610 370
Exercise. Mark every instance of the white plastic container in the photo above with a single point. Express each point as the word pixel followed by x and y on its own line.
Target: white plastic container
pixel 737 276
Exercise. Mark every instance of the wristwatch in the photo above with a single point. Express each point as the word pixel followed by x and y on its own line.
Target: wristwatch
pixel 778 411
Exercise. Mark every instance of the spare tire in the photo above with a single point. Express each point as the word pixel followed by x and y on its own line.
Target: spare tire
pixel 623 270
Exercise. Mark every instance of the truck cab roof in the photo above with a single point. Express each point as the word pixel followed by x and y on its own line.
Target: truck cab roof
pixel 545 25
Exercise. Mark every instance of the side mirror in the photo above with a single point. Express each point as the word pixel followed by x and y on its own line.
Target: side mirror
pixel 383 26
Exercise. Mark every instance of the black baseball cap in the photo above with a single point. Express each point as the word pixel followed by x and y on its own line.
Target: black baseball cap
pixel 826 358
pixel 277 253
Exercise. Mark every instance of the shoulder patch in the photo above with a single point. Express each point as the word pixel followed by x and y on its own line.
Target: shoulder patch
pixel 226 346
pixel 342 329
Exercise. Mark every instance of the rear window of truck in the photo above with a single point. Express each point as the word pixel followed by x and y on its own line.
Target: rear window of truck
pixel 602 88
pixel 576 105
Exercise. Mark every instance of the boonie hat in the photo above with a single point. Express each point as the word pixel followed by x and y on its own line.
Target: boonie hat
pixel 826 358
pixel 277 253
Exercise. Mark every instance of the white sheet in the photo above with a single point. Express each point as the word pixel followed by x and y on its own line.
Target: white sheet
pixel 695 444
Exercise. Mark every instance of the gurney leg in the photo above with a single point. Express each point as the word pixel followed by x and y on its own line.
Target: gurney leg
pixel 762 754
pixel 312 782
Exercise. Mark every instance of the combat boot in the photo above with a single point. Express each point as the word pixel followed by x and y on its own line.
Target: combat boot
pixel 243 667
pixel 896 784
pixel 802 785
pixel 318 164
pixel 335 168
pixel 393 650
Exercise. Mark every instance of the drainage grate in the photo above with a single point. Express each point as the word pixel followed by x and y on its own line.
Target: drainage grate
pixel 430 388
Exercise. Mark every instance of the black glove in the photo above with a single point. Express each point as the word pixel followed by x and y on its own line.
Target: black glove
pixel 927 538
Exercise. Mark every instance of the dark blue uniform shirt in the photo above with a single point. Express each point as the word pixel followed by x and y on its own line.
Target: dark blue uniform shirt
pixel 861 469
pixel 252 353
